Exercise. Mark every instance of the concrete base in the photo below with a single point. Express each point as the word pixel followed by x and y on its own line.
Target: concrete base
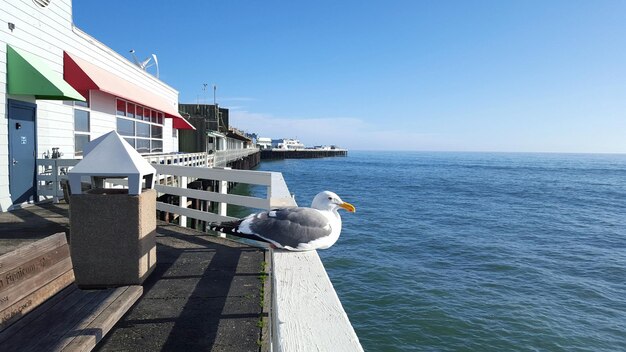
pixel 112 237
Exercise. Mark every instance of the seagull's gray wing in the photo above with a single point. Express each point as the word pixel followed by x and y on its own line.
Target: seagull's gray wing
pixel 289 226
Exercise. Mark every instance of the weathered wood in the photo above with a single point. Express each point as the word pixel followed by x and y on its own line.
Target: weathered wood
pixel 28 269
pixel 320 324
pixel 27 287
pixel 103 323
pixel 30 251
pixel 75 322
pixel 44 333
pixel 27 304
pixel 35 280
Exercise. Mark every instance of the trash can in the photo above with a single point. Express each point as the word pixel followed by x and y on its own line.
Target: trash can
pixel 112 230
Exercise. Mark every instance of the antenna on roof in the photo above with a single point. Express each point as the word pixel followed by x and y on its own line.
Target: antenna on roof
pixel 146 63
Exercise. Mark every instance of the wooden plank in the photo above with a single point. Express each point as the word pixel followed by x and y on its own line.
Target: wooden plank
pixel 15 293
pixel 104 321
pixel 192 213
pixel 83 306
pixel 321 324
pixel 42 328
pixel 23 325
pixel 29 268
pixel 13 259
pixel 30 302
pixel 241 176
pixel 252 202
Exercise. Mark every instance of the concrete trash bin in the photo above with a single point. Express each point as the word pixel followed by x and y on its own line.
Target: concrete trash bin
pixel 113 237
pixel 112 230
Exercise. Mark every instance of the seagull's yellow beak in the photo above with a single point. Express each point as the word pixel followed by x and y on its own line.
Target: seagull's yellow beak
pixel 347 206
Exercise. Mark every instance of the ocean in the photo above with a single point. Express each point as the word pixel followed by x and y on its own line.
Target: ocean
pixel 476 251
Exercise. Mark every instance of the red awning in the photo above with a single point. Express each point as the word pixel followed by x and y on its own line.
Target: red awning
pixel 84 76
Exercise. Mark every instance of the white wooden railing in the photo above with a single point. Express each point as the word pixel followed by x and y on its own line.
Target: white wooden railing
pixel 223 157
pixel 50 172
pixel 277 194
pixel 186 159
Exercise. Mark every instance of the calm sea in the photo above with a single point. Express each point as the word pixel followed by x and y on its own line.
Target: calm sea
pixel 476 251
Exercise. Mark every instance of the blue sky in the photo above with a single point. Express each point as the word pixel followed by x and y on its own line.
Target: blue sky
pixel 522 76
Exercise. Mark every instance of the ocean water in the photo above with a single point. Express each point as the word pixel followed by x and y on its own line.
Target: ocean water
pixel 476 251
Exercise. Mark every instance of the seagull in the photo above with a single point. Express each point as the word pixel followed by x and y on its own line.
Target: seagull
pixel 294 229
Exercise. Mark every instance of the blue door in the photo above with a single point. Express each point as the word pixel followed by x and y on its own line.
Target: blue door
pixel 22 144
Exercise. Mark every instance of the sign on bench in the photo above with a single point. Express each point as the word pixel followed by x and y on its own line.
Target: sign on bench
pixel 32 274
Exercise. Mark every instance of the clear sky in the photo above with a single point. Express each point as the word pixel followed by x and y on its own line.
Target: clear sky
pixel 527 76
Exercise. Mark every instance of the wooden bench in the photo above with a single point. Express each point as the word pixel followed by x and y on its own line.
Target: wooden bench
pixel 42 309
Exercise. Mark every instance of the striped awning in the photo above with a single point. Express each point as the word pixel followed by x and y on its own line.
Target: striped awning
pixel 85 76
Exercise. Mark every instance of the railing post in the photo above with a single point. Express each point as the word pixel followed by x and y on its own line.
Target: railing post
pixel 55 183
pixel 182 180
pixel 222 207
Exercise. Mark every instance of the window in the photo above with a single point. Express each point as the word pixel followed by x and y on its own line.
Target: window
pixel 125 127
pixel 141 126
pixel 82 127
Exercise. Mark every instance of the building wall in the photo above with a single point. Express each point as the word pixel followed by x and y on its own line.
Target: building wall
pixel 46 33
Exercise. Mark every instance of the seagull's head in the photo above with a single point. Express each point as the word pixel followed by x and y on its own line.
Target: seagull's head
pixel 330 201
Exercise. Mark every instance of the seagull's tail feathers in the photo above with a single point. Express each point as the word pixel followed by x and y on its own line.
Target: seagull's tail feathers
pixel 225 227
pixel 232 228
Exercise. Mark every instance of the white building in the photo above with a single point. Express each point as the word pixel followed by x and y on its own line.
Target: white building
pixel 264 143
pixel 62 88
pixel 287 143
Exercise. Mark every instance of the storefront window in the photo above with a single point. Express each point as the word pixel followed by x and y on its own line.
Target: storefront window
pixel 82 127
pixel 141 126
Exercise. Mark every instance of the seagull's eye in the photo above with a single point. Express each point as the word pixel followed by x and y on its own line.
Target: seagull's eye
pixel 330 198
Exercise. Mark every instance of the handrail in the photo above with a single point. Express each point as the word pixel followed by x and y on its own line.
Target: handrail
pixel 223 157
pixel 222 177
pixel 307 314
pixel 51 172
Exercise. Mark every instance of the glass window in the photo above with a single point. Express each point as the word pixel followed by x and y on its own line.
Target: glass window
pixel 139 111
pixel 157 131
pixel 81 120
pixel 130 141
pixel 79 143
pixel 142 145
pixel 145 137
pixel 125 127
pixel 157 146
pixel 130 110
pixel 143 130
pixel 121 107
pixel 146 114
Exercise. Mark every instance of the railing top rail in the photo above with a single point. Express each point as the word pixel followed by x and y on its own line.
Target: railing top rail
pixel 244 176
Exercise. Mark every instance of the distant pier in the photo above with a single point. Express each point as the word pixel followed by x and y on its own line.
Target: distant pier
pixel 267 154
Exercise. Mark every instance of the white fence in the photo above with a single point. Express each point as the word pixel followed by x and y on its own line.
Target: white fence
pixel 277 193
pixel 50 172
pixel 185 159
pixel 223 157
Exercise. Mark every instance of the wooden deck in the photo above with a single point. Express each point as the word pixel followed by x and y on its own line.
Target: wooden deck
pixel 206 293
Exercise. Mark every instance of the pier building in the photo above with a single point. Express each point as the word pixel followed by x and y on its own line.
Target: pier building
pixel 61 89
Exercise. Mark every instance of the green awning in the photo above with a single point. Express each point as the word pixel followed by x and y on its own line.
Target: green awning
pixel 27 74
